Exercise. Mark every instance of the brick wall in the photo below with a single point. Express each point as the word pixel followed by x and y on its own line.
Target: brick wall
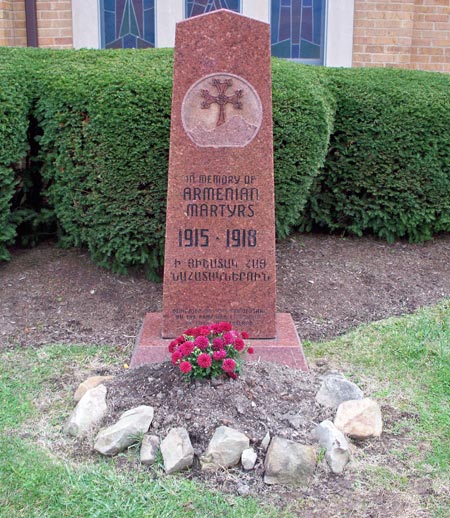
pixel 12 23
pixel 6 30
pixel 54 19
pixel 20 31
pixel 402 33
pixel 396 33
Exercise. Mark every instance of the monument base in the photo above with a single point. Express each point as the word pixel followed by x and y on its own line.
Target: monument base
pixel 285 349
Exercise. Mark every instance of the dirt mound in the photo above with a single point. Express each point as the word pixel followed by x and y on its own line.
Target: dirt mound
pixel 265 398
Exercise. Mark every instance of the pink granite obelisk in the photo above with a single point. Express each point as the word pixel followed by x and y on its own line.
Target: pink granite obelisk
pixel 220 229
pixel 220 225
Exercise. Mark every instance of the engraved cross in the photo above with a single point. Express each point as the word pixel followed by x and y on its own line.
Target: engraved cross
pixel 222 99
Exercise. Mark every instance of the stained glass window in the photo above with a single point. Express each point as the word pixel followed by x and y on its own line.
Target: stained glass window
pixel 195 7
pixel 297 29
pixel 128 24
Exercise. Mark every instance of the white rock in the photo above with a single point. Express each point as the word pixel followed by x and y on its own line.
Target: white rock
pixel 248 459
pixel 359 419
pixel 335 389
pixel 177 450
pixel 289 463
pixel 224 449
pixel 265 442
pixel 149 449
pixel 88 384
pixel 125 432
pixel 89 411
pixel 337 446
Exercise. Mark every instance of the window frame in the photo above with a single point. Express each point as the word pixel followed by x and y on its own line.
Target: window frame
pixel 241 2
pixel 101 22
pixel 308 61
pixel 337 34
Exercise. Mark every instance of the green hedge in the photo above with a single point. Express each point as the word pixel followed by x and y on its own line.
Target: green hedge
pixel 15 107
pixel 387 171
pixel 303 113
pixel 105 118
pixel 358 150
pixel 106 121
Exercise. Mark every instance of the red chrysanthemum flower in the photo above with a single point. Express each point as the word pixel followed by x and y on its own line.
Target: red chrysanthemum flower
pixel 185 367
pixel 228 338
pixel 215 328
pixel 221 354
pixel 244 335
pixel 225 326
pixel 229 365
pixel 250 350
pixel 176 357
pixel 239 344
pixel 180 339
pixel 203 331
pixel 232 375
pixel 218 343
pixel 204 360
pixel 192 331
pixel 187 348
pixel 201 342
pixel 172 346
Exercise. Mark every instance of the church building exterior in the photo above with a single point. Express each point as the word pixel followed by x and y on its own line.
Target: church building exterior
pixel 411 34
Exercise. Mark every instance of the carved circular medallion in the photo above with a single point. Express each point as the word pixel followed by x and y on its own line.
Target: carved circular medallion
pixel 221 110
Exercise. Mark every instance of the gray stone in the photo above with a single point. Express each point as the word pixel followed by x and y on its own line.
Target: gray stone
pixel 89 411
pixel 149 449
pixel 177 450
pixel 248 459
pixel 88 384
pixel 359 419
pixel 243 490
pixel 125 432
pixel 265 442
pixel 289 463
pixel 337 446
pixel 335 389
pixel 224 449
pixel 296 421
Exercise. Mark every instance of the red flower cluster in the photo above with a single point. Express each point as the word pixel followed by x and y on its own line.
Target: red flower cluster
pixel 208 351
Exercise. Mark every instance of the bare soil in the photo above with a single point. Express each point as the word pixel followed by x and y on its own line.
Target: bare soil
pixel 281 401
pixel 329 284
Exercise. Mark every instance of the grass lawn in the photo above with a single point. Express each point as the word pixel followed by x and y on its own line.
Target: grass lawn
pixel 405 362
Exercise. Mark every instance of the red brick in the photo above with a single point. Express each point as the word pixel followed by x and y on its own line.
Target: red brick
pixel 437 59
pixel 424 25
pixel 63 41
pixel 375 49
pixel 393 6
pixel 440 26
pixel 435 2
pixel 362 57
pixel 432 51
pixel 437 18
pixel 420 59
pixel 431 67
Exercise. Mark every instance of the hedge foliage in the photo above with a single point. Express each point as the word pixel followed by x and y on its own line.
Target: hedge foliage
pixel 387 171
pixel 87 132
pixel 106 121
pixel 303 113
pixel 14 111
